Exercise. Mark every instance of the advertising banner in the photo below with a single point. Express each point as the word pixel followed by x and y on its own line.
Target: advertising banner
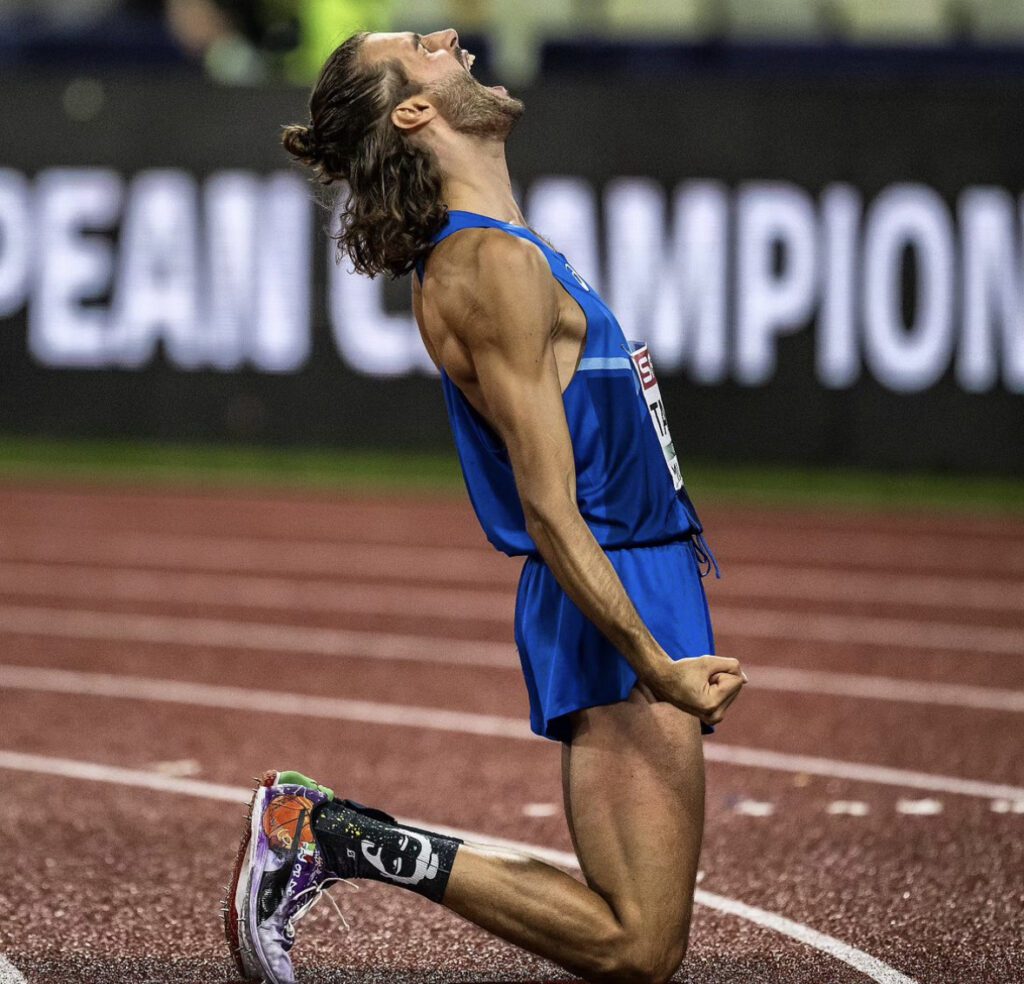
pixel 826 272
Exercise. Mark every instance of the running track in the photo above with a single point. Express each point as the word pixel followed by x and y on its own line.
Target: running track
pixel 866 794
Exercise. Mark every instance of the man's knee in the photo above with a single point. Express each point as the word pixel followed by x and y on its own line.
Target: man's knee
pixel 639 958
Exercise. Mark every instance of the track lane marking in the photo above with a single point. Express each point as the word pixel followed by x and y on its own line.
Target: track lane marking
pixel 884 688
pixel 276 637
pixel 352 510
pixel 303 557
pixel 868 965
pixel 429 562
pixel 9 974
pixel 868 630
pixel 740 623
pixel 341 594
pixel 258 592
pixel 106 685
pixel 744 579
pixel 361 644
pixel 861 546
pixel 269 637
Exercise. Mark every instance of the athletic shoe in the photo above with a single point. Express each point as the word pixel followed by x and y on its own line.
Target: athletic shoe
pixel 279 874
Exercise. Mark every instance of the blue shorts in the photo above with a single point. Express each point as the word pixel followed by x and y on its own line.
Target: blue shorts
pixel 567 661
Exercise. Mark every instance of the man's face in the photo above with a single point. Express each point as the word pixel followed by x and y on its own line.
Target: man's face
pixel 444 70
pixel 426 59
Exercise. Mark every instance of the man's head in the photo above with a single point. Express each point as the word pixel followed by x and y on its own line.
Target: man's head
pixel 448 93
pixel 380 110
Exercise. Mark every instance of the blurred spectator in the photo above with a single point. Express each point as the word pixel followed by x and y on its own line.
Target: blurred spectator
pixel 244 41
pixel 217 35
pixel 236 41
pixel 324 24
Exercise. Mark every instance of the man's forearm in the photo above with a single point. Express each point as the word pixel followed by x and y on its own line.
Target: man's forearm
pixel 587 576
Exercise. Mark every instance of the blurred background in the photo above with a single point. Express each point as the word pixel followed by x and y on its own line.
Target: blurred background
pixel 809 207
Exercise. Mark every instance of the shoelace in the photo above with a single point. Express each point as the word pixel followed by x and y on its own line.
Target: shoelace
pixel 318 891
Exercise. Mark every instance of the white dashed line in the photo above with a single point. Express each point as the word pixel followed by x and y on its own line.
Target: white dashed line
pixel 868 965
pixel 848 808
pixel 753 808
pixel 919 808
pixel 540 810
pixel 1007 806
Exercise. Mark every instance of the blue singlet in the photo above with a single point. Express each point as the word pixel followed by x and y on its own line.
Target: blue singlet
pixel 629 491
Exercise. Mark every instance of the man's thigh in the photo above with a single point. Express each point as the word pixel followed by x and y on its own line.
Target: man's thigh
pixel 633 777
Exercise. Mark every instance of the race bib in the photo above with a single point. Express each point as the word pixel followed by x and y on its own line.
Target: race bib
pixel 641 359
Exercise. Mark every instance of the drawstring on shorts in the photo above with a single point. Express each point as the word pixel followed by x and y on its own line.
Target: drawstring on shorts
pixel 705 556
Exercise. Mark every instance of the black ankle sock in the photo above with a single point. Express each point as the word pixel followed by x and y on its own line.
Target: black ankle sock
pixel 359 842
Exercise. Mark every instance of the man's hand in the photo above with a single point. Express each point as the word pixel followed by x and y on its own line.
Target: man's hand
pixel 704 686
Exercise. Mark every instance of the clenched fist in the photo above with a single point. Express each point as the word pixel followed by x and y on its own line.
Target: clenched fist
pixel 703 686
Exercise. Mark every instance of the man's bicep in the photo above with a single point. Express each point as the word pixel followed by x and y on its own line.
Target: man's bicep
pixel 510 344
pixel 525 403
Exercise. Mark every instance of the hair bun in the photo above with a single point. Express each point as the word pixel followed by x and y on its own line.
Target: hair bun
pixel 300 141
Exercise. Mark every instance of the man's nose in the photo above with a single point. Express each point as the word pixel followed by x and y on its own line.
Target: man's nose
pixel 443 39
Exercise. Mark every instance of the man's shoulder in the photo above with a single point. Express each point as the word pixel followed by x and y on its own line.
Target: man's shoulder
pixel 477 267
pixel 485 253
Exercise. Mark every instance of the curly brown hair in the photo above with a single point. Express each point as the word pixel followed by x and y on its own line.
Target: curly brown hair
pixel 391 206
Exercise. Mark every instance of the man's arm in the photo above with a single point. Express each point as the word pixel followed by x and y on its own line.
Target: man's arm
pixel 500 303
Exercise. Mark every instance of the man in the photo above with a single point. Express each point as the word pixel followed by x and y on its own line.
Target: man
pixel 568 460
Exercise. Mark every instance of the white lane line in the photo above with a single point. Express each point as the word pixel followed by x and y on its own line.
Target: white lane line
pixel 748 581
pixel 739 623
pixel 264 701
pixel 271 637
pixel 870 966
pixel 439 564
pixel 760 758
pixel 864 548
pixel 346 593
pixel 249 591
pixel 885 688
pixel 340 595
pixel 449 564
pixel 887 633
pixel 9 974
pixel 852 548
pixel 221 634
pixel 175 630
pixel 347 513
pixel 107 685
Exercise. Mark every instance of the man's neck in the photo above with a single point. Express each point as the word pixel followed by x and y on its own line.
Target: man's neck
pixel 476 179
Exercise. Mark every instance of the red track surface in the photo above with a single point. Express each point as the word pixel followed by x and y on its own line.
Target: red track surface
pixel 102 591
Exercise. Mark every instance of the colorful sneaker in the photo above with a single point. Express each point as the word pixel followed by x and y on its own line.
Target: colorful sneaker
pixel 279 874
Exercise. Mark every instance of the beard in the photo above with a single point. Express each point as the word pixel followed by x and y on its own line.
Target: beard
pixel 474 109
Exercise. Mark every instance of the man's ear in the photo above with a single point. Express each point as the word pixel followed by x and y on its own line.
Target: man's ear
pixel 412 113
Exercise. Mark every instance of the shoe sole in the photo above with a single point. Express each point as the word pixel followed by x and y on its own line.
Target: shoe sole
pixel 238 900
